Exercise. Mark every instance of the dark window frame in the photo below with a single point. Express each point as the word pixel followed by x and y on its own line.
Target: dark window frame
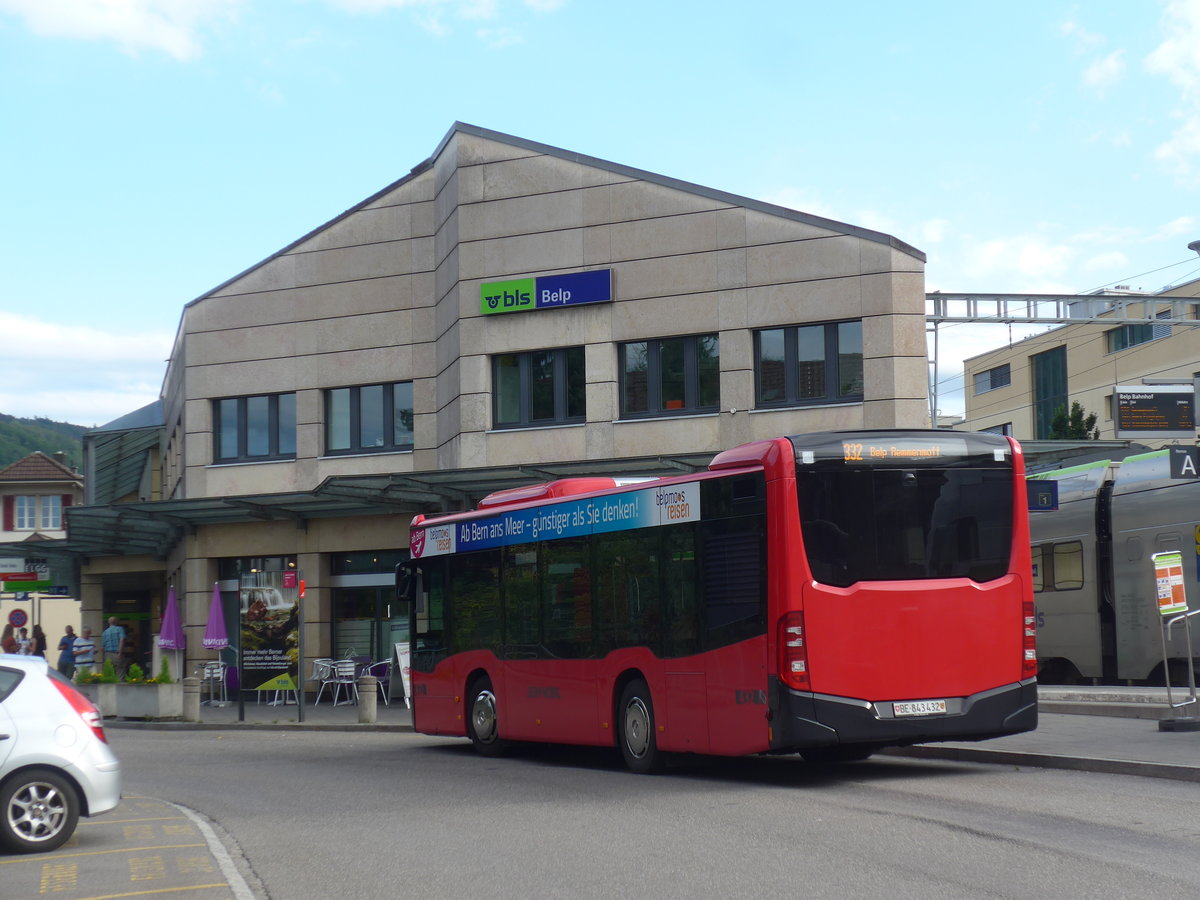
pixel 388 420
pixel 693 403
pixel 274 429
pixel 993 379
pixel 565 382
pixel 791 367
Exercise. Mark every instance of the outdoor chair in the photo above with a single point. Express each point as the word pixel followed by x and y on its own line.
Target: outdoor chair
pixel 382 672
pixel 342 675
pixel 212 676
pixel 321 670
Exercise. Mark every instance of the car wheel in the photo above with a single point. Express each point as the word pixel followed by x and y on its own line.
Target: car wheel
pixel 39 811
pixel 635 720
pixel 482 722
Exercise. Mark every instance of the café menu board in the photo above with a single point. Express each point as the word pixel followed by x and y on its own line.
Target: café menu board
pixel 1155 411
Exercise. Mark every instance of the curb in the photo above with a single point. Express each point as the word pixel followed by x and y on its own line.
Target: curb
pixel 1048 761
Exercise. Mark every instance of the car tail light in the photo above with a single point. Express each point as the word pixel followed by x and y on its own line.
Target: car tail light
pixel 82 705
pixel 1029 663
pixel 793 652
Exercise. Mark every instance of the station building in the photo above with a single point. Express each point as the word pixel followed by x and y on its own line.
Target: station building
pixel 506 313
pixel 1018 389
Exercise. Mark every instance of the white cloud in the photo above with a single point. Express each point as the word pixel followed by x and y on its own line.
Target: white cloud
pixel 1085 41
pixel 1178 58
pixel 934 231
pixel 1114 259
pixel 1031 256
pixel 1105 72
pixel 77 374
pixel 497 38
pixel 170 26
pixel 1184 225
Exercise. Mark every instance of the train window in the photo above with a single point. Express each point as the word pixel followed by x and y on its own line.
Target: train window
pixel 1167 541
pixel 1039 567
pixel 1068 566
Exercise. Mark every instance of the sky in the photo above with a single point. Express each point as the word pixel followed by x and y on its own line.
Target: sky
pixel 152 149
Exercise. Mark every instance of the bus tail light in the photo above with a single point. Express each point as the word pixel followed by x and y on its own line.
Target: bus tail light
pixel 793 652
pixel 1029 664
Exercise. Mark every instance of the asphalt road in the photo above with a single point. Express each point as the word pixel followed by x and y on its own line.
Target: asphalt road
pixel 352 814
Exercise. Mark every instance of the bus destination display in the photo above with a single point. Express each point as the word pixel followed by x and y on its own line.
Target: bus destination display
pixel 900 450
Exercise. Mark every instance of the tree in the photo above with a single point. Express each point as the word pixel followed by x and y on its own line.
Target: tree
pixel 1074 426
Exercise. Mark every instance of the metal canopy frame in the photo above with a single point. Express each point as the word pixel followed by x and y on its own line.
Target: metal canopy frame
pixel 154 528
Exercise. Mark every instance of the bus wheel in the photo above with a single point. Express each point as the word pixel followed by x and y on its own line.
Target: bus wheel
pixel 839 754
pixel 635 721
pixel 481 718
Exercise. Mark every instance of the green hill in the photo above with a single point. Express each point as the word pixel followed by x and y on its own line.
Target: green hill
pixel 20 437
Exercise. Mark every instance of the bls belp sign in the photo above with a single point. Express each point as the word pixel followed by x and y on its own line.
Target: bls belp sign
pixel 546 292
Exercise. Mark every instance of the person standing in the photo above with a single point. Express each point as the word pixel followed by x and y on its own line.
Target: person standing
pixel 85 652
pixel 39 642
pixel 8 641
pixel 66 653
pixel 24 642
pixel 112 638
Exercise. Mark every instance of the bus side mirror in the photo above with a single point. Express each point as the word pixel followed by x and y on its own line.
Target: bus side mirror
pixel 406 583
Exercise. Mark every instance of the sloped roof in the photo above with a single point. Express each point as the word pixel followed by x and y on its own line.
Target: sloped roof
pixel 640 174
pixel 38 467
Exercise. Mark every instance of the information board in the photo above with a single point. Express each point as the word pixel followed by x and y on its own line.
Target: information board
pixel 1155 411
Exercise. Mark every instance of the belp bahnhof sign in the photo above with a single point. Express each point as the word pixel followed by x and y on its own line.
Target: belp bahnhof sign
pixel 1155 411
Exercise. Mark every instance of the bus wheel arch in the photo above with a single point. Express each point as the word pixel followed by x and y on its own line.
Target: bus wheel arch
pixel 480 712
pixel 636 728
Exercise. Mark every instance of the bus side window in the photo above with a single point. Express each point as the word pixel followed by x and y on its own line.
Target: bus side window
pixel 680 602
pixel 733 560
pixel 566 605
pixel 474 590
pixel 627 590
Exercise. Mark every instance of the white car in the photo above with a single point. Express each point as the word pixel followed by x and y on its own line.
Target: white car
pixel 55 762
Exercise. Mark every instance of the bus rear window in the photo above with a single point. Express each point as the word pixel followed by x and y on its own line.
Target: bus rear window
pixel 885 524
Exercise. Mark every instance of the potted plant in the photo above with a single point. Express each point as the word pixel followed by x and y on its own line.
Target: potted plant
pixel 96 686
pixel 139 697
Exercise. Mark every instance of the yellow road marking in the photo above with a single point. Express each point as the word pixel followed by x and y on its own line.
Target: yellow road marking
pixel 21 859
pixel 57 878
pixel 166 890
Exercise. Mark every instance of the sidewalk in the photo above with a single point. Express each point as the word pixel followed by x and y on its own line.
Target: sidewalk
pixel 321 717
pixel 1114 730
pixel 1092 729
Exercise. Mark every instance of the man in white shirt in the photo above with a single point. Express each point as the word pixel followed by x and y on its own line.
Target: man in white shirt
pixel 85 653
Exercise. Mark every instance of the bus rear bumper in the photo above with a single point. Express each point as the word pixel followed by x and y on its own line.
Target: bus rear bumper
pixel 801 720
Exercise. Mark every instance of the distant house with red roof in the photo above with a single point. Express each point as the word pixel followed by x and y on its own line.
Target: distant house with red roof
pixel 34 491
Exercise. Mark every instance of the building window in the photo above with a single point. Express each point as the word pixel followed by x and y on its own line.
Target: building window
pixel 1131 335
pixel 808 364
pixel 34 512
pixel 542 387
pixel 670 376
pixel 375 418
pixel 255 428
pixel 1006 429
pixel 1049 389
pixel 999 377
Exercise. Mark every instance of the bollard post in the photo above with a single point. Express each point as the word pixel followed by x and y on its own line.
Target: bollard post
pixel 368 695
pixel 191 699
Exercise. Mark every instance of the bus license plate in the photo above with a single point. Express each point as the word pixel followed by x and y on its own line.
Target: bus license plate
pixel 919 708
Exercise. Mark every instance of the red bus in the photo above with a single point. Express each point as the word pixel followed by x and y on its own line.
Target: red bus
pixel 828 594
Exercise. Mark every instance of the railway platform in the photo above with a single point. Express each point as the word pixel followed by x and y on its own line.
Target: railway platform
pixel 1097 729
